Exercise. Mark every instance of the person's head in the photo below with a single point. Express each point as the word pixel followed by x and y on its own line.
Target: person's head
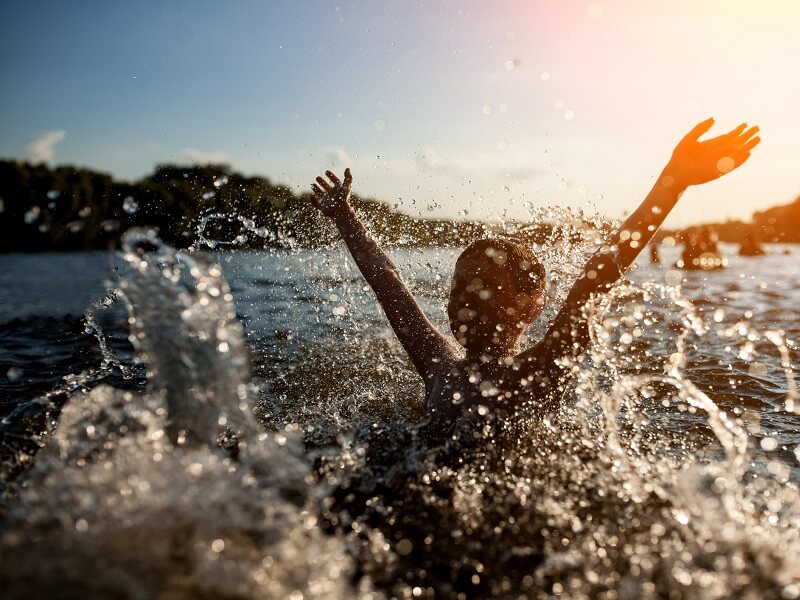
pixel 498 289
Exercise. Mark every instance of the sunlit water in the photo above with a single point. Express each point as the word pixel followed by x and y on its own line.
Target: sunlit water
pixel 265 442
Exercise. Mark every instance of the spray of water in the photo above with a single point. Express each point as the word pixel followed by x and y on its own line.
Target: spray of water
pixel 315 477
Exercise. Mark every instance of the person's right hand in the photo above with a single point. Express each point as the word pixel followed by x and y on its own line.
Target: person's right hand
pixel 694 162
pixel 332 198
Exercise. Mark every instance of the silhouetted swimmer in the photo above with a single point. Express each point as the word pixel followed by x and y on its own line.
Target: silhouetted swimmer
pixel 750 246
pixel 700 251
pixel 498 290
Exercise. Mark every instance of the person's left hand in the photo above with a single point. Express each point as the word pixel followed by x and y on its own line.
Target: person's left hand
pixel 334 197
pixel 694 162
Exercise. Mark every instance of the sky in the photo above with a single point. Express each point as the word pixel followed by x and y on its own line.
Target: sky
pixel 472 108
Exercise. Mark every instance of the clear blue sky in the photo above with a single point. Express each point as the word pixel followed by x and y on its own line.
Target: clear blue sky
pixel 438 106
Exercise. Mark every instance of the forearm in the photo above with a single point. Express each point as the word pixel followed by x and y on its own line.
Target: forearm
pixel 424 344
pixel 640 227
pixel 617 253
pixel 630 238
pixel 371 260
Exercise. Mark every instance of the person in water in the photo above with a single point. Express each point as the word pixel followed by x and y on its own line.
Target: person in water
pixel 498 290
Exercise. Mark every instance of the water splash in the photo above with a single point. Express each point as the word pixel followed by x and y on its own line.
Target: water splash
pixel 147 491
pixel 643 484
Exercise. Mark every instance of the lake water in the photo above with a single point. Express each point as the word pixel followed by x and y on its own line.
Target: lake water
pixel 672 473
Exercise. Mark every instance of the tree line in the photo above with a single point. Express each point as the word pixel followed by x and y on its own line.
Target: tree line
pixel 71 208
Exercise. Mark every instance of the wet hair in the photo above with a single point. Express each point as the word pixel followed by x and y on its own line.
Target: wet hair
pixel 490 257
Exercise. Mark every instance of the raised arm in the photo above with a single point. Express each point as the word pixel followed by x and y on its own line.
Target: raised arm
pixel 424 344
pixel 693 162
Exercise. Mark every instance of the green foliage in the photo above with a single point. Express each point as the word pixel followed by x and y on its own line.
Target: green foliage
pixel 70 208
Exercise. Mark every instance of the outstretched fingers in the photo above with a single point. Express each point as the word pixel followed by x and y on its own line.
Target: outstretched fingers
pixel 750 144
pixel 348 179
pixel 746 137
pixel 324 184
pixel 699 129
pixel 734 133
pixel 316 195
pixel 332 176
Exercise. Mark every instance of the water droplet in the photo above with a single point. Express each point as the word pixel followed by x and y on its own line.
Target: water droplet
pixel 545 76
pixel 14 374
pixel 487 109
pixel 769 444
pixel 32 215
pixel 404 547
pixel 725 164
pixel 379 125
pixel 129 205
pixel 220 181
pixel 209 195
pixel 673 277
pixel 53 194
pixel 569 115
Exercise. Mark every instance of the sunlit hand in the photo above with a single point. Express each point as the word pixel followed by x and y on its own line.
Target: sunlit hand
pixel 694 162
pixel 332 198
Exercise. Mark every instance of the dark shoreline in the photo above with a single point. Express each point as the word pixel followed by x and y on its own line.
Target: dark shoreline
pixel 69 208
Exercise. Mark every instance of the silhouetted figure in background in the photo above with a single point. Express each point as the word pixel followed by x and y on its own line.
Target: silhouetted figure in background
pixel 700 251
pixel 750 246
pixel 498 290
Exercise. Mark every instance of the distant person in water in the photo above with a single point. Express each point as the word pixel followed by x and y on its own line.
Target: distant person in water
pixel 701 252
pixel 498 290
pixel 750 246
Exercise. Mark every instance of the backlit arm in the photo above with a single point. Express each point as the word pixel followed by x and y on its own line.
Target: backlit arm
pixel 424 344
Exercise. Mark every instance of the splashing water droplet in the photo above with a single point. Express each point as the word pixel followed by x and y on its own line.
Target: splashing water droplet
pixel 725 164
pixel 673 277
pixel 14 374
pixel 769 444
pixel 129 205
pixel 32 215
